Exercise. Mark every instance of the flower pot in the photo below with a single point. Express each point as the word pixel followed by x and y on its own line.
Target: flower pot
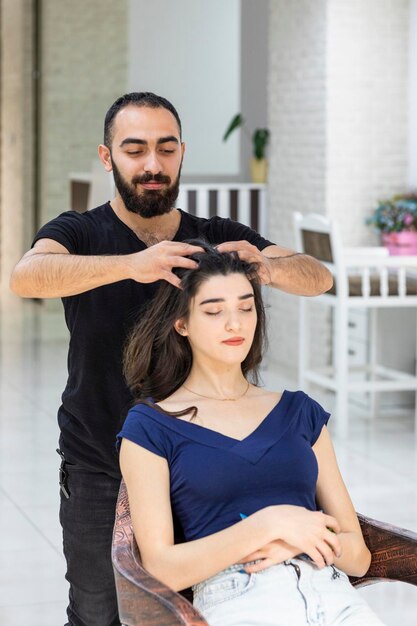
pixel 402 243
pixel 258 170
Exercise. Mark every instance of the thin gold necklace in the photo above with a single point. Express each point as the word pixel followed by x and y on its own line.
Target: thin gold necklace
pixel 221 399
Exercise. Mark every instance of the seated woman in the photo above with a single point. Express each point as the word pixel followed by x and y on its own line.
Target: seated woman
pixel 251 475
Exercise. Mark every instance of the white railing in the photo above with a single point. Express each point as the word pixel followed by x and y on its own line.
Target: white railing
pixel 243 202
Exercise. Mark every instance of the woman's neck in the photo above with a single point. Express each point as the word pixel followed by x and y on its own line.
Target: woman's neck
pixel 216 382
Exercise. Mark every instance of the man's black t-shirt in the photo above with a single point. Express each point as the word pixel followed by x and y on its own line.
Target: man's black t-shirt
pixel 96 399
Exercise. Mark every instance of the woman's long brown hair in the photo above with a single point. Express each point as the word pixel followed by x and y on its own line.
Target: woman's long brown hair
pixel 157 359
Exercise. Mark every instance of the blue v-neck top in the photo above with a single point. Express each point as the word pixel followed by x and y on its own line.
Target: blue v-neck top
pixel 214 478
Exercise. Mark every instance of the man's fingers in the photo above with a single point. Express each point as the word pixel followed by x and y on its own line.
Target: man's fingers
pixel 246 251
pixel 249 256
pixel 182 261
pixel 171 278
pixel 183 248
pixel 235 246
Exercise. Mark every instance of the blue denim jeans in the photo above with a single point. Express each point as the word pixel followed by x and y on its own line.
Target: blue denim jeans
pixel 295 592
pixel 87 519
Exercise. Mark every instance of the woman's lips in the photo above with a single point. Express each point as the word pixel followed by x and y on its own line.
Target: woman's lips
pixel 234 341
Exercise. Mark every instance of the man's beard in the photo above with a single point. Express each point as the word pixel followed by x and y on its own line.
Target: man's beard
pixel 150 202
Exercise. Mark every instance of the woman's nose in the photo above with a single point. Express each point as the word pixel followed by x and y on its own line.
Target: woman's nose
pixel 233 322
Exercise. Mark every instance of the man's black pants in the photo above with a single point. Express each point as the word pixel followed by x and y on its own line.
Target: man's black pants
pixel 87 518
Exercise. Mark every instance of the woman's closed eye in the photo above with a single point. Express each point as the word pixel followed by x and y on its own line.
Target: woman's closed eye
pixel 242 310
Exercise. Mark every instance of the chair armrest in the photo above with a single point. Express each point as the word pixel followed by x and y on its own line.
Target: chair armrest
pixel 142 599
pixel 394 553
pixel 145 601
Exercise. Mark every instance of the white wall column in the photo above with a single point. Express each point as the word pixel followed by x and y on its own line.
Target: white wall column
pixel 84 69
pixel 16 186
pixel 338 114
pixel 297 121
pixel 412 98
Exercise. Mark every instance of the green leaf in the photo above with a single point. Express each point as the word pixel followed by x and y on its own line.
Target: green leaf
pixel 236 122
pixel 260 140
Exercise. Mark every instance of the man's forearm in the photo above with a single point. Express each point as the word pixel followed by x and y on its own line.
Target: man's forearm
pixel 300 274
pixel 53 275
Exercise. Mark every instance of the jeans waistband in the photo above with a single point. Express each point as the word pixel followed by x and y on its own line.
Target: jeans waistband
pixel 236 567
pixel 239 567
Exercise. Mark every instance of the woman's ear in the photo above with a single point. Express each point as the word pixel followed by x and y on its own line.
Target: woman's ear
pixel 181 328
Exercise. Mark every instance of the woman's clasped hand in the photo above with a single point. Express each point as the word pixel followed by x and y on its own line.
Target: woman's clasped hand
pixel 302 532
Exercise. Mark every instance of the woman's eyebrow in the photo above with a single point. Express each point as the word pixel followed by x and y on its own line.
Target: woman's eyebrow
pixel 214 300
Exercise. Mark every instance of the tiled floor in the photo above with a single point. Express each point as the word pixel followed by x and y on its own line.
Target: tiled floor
pixel 379 463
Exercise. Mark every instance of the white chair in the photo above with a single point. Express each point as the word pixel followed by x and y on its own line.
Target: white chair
pixel 363 278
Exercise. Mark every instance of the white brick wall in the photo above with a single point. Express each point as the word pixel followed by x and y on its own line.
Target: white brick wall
pixel 367 55
pixel 297 120
pixel 84 50
pixel 338 117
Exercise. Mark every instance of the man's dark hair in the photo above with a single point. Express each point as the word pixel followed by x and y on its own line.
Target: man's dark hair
pixel 140 99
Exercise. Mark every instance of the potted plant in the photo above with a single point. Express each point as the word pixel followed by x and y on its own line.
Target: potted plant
pixel 396 220
pixel 260 138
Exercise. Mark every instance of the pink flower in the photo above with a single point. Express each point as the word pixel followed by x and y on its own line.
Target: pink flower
pixel 408 219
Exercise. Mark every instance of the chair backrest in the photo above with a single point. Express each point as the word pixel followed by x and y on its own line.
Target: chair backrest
pixel 143 600
pixel 317 236
pixel 313 233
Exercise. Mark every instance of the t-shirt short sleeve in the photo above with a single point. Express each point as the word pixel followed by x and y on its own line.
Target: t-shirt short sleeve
pixel 229 230
pixel 317 417
pixel 144 431
pixel 68 229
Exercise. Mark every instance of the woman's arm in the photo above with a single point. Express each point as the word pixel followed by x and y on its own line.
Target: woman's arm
pixel 179 566
pixel 334 499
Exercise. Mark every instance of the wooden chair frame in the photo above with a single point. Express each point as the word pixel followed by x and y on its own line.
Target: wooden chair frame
pixel 144 601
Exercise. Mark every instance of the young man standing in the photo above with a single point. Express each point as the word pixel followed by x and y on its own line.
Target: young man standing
pixel 105 265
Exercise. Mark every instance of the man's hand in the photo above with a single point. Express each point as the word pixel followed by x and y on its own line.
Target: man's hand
pixel 156 263
pixel 285 269
pixel 249 253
